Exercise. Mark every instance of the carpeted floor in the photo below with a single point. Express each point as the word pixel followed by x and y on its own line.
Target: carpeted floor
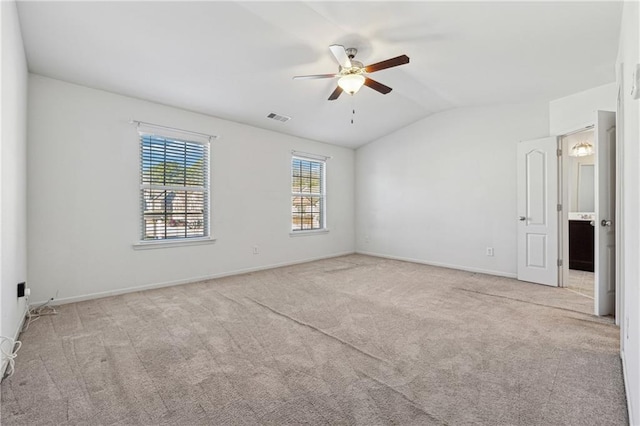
pixel 344 341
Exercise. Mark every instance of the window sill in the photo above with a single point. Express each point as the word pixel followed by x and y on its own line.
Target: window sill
pixel 149 245
pixel 306 233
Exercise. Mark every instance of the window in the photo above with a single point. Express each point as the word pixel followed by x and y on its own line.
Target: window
pixel 174 187
pixel 307 194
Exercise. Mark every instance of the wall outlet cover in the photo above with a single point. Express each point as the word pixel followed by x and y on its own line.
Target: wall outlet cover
pixel 21 287
pixel 635 81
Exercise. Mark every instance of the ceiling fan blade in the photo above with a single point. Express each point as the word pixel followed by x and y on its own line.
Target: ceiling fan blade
pixel 335 94
pixel 393 62
pixel 379 87
pixel 341 55
pixel 313 77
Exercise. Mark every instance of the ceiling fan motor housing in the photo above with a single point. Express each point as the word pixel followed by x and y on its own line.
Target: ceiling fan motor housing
pixel 356 68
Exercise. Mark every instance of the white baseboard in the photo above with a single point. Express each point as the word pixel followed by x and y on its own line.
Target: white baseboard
pixel 16 335
pixel 625 376
pixel 442 265
pixel 190 280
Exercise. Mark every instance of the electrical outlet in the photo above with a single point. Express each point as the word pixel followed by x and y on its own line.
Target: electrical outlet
pixel 489 251
pixel 21 288
pixel 626 322
pixel 256 250
pixel 635 83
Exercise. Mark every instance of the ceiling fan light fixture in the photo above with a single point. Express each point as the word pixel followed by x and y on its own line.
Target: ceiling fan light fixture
pixel 351 83
pixel 581 149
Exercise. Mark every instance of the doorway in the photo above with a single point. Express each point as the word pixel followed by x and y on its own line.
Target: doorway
pixel 588 198
pixel 543 230
pixel 578 188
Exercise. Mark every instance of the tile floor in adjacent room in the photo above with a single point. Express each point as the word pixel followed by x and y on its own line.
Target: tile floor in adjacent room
pixel 581 282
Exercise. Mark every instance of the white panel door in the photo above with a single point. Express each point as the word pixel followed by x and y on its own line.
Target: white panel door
pixel 605 241
pixel 537 210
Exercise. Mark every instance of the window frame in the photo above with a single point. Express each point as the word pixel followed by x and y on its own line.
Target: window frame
pixel 322 194
pixel 180 136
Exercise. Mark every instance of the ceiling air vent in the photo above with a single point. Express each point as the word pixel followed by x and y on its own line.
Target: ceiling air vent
pixel 278 117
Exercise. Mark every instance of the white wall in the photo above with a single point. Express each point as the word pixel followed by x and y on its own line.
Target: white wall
pixel 628 58
pixel 13 166
pixel 443 189
pixel 84 187
pixel 578 110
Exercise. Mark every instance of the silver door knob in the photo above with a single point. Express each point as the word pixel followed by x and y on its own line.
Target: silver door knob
pixel 522 218
pixel 605 222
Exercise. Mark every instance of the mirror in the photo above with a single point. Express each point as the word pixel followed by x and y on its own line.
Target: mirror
pixel 586 185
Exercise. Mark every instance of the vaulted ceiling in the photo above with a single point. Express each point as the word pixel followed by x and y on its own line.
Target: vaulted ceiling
pixel 236 60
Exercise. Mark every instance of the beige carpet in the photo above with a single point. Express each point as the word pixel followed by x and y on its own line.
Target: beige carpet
pixel 344 341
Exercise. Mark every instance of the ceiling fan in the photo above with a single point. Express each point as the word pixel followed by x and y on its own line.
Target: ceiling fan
pixel 351 73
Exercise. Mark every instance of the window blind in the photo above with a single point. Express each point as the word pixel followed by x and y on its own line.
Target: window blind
pixel 174 187
pixel 307 194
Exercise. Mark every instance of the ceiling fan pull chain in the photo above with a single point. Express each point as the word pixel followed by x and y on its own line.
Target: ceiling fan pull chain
pixel 353 108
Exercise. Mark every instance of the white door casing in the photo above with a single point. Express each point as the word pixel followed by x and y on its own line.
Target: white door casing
pixel 537 211
pixel 605 201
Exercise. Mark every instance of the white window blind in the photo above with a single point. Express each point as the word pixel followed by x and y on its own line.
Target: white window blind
pixel 308 203
pixel 174 186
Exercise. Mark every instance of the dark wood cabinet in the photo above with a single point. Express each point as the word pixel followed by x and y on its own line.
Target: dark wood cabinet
pixel 581 245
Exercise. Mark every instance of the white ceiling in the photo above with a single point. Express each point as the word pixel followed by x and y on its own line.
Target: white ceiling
pixel 235 60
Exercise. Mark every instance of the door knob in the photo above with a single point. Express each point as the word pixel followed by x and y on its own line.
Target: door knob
pixel 605 222
pixel 522 218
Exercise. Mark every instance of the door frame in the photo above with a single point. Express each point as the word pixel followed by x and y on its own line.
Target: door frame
pixel 619 216
pixel 563 199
